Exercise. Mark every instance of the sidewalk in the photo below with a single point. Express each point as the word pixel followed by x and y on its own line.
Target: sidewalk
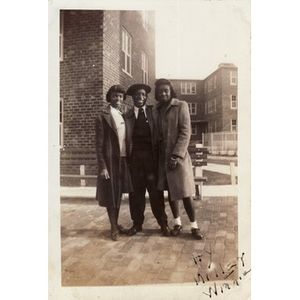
pixel 91 258
pixel 224 169
pixel 208 191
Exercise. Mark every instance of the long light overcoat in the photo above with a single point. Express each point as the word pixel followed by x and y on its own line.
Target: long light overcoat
pixel 175 133
pixel 108 157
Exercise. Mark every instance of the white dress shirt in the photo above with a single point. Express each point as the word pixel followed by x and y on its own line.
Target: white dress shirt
pixel 121 129
pixel 136 111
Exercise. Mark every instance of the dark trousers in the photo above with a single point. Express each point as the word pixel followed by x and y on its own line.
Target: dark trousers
pixel 143 171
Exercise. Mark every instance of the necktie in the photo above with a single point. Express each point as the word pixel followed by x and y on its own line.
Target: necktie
pixel 141 115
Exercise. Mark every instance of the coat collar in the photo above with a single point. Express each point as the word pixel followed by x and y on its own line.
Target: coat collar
pixel 173 102
pixel 130 113
pixel 109 118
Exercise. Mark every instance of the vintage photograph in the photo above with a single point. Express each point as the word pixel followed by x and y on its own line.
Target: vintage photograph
pixel 153 150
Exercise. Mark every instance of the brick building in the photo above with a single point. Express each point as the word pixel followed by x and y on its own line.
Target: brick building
pixel 97 50
pixel 212 101
pixel 100 49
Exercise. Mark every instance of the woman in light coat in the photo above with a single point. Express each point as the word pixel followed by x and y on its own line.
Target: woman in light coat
pixel 172 119
pixel 113 173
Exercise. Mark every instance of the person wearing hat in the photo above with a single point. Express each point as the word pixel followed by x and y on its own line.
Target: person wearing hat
pixel 141 139
pixel 172 119
pixel 113 173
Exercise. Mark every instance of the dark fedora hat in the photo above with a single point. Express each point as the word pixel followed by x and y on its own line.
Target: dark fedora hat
pixel 138 86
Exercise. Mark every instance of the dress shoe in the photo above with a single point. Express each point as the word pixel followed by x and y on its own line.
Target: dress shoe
pixel 122 230
pixel 165 230
pixel 176 230
pixel 197 234
pixel 115 236
pixel 134 229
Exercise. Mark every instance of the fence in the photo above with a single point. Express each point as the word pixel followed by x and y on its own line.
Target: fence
pixel 224 143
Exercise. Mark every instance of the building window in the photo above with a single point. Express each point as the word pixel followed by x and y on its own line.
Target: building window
pixel 233 125
pixel 205 108
pixel 216 126
pixel 192 108
pixel 233 77
pixel 194 128
pixel 61 131
pixel 233 102
pixel 145 18
pixel 215 104
pixel 215 82
pixel 209 106
pixel 210 126
pixel 126 49
pixel 145 68
pixel 209 85
pixel 61 36
pixel 188 88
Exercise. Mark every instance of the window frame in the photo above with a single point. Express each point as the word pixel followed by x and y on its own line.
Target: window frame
pixel 233 126
pixel 126 51
pixel 145 18
pixel 61 122
pixel 233 77
pixel 61 36
pixel 209 84
pixel 188 88
pixel 145 68
pixel 192 108
pixel 210 107
pixel 233 101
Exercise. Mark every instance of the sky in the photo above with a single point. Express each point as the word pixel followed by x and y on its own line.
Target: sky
pixel 194 37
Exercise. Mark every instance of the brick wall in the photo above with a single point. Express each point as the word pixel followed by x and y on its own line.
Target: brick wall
pixel 142 40
pixel 81 76
pixel 111 49
pixel 91 64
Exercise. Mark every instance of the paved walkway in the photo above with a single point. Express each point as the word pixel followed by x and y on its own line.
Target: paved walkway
pixel 91 258
pixel 224 169
pixel 208 191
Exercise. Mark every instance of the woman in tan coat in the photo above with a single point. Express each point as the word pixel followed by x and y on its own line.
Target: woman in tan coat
pixel 172 119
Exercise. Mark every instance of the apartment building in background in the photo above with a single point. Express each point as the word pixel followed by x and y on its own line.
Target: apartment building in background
pixel 213 101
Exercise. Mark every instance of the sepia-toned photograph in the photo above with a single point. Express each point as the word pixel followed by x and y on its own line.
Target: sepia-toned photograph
pixel 150 181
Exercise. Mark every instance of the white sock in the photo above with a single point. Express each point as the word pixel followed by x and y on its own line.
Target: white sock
pixel 177 221
pixel 194 224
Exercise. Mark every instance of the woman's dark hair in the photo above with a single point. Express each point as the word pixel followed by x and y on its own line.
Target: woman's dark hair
pixel 161 82
pixel 117 89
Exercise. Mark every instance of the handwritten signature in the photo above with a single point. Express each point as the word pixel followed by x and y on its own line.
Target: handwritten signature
pixel 217 271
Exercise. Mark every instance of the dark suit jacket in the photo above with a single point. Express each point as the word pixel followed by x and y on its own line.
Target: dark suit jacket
pixel 130 120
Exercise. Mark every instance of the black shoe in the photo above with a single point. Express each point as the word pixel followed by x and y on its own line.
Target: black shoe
pixel 115 236
pixel 134 229
pixel 176 230
pixel 197 234
pixel 165 229
pixel 122 230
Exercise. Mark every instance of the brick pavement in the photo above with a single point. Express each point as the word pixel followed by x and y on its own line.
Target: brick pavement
pixel 91 258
